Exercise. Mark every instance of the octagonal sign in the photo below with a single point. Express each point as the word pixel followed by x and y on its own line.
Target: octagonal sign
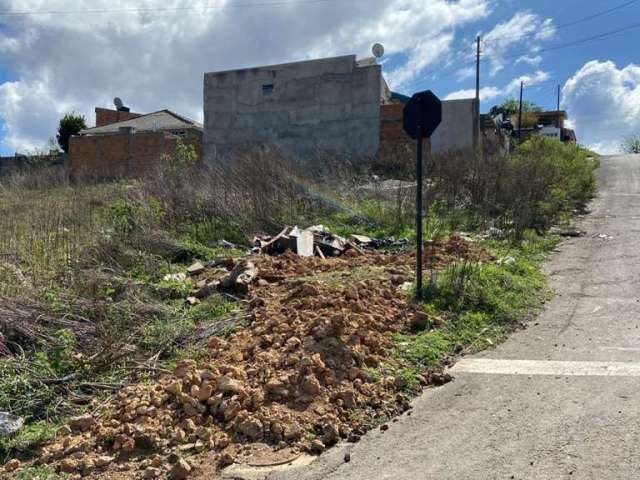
pixel 422 115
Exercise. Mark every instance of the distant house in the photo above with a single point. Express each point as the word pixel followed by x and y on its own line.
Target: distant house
pixel 550 124
pixel 124 143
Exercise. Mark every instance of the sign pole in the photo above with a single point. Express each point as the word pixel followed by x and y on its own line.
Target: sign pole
pixel 419 242
pixel 420 118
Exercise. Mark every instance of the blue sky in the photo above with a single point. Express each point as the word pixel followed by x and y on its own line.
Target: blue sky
pixel 76 60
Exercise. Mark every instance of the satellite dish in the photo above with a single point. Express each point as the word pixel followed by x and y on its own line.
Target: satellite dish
pixel 118 103
pixel 377 50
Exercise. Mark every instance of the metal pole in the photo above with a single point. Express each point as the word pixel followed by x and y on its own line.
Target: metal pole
pixel 478 70
pixel 419 243
pixel 477 125
pixel 558 119
pixel 520 113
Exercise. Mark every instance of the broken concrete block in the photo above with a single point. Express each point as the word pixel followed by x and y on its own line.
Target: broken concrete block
pixel 195 269
pixel 305 244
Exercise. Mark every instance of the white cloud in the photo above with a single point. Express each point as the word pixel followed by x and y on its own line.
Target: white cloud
pixel 518 32
pixel 603 102
pixel 156 60
pixel 490 93
pixel 486 93
pixel 465 73
pixel 529 59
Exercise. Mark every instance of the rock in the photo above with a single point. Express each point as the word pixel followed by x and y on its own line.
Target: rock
pixel 317 446
pixel 180 470
pixel 103 461
pixel 12 465
pixel 293 343
pixel 203 433
pixel 68 466
pixel 227 384
pixel 331 434
pixel 440 378
pixel 311 385
pixel 193 301
pixel 384 428
pixel 184 368
pixel 82 422
pixel 347 457
pixel 9 424
pixel 195 269
pixel 203 392
pixel 151 472
pixel 230 408
pixel 222 440
pixel 225 460
pixel 252 428
pixel 305 290
pixel 420 320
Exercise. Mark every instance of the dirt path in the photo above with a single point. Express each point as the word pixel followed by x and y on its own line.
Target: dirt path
pixel 556 401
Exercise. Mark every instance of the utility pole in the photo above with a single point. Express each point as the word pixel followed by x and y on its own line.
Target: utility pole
pixel 476 133
pixel 558 111
pixel 520 113
pixel 478 71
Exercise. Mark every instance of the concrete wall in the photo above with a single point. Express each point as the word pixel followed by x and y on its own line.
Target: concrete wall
pixel 328 104
pixel 123 155
pixel 459 128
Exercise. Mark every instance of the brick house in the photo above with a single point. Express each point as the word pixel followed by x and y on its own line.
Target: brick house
pixel 125 144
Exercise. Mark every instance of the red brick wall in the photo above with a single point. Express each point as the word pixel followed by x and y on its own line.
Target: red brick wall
pixel 105 116
pixel 391 131
pixel 123 155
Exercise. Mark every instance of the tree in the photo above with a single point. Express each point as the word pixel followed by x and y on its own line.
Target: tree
pixel 511 106
pixel 632 144
pixel 70 124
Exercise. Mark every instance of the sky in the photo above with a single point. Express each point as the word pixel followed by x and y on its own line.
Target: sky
pixel 58 56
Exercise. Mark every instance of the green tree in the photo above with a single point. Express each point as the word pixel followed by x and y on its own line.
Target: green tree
pixel 511 107
pixel 632 144
pixel 70 124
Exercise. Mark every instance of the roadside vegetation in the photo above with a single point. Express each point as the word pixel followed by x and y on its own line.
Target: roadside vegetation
pixel 86 306
pixel 631 144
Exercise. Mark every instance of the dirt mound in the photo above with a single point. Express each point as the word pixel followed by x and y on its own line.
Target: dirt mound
pixel 314 366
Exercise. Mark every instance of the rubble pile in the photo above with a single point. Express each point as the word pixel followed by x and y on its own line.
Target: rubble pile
pixel 318 240
pixel 314 366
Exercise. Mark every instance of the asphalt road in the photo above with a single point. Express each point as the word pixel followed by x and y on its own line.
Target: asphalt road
pixel 559 400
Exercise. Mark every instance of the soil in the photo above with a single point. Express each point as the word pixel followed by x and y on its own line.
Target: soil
pixel 315 365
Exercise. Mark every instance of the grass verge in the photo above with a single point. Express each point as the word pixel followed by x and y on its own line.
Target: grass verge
pixel 473 306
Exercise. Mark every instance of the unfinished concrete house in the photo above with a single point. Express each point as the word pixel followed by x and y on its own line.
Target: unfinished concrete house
pixel 130 144
pixel 326 104
pixel 337 104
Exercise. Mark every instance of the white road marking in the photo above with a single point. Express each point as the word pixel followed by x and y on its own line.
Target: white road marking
pixel 621 349
pixel 546 367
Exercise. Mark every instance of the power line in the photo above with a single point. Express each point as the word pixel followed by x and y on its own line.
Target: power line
pixel 162 9
pixel 582 41
pixel 596 15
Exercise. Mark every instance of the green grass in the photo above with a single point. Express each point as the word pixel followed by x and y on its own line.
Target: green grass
pixel 38 473
pixel 478 304
pixel 26 439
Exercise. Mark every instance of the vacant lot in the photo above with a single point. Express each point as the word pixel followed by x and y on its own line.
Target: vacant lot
pixel 116 374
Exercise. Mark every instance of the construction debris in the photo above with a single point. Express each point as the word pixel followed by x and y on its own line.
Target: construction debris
pixel 240 277
pixel 10 424
pixel 318 240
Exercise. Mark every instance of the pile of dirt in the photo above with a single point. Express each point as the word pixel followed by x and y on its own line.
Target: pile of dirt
pixel 314 366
